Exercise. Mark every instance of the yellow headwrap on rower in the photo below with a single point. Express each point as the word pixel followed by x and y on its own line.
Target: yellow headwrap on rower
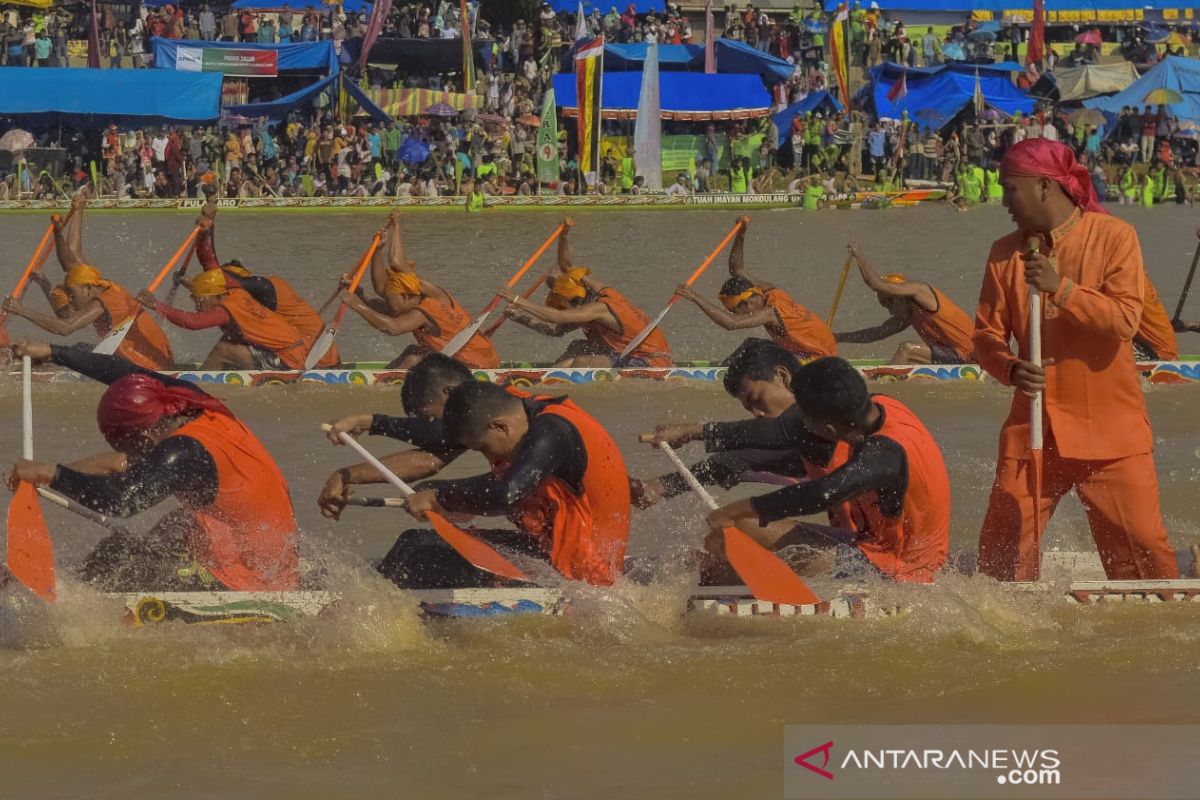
pixel 59 299
pixel 236 269
pixel 403 283
pixel 569 285
pixel 894 277
pixel 83 275
pixel 732 301
pixel 209 283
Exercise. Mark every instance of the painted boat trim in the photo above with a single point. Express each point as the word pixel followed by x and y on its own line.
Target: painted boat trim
pixel 1156 372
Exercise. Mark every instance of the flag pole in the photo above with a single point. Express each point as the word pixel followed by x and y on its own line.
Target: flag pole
pixel 599 114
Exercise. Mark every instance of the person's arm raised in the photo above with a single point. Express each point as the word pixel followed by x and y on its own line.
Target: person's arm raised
pixel 727 319
pixel 406 322
pixel 889 327
pixel 52 324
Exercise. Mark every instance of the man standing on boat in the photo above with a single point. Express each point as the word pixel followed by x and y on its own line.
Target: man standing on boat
pixel 234 528
pixel 944 328
pixel 578 301
pixel 1088 266
pixel 556 474
pixel 408 303
pixel 750 303
pixel 890 499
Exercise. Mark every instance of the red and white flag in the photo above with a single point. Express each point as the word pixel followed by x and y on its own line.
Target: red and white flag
pixel 899 89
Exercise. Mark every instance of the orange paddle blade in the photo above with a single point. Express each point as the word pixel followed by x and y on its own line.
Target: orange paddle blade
pixel 765 574
pixel 30 551
pixel 477 553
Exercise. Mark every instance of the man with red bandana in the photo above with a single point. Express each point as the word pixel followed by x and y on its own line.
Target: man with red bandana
pixel 1088 266
pixel 234 529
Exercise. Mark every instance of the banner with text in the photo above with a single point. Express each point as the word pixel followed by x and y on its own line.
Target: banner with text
pixel 229 61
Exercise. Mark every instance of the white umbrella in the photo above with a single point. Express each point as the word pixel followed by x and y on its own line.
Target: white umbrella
pixel 16 140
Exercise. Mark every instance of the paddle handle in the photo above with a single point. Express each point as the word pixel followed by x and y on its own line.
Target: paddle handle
pixel 366 262
pixel 1187 284
pixel 102 520
pixel 388 475
pixel 688 477
pixel 166 270
pixel 741 223
pixel 528 294
pixel 1035 355
pixel 837 296
pixel 533 259
pixel 377 502
pixel 26 407
pixel 40 254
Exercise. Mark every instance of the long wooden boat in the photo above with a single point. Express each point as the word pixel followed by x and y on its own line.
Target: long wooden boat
pixel 1088 588
pixel 377 374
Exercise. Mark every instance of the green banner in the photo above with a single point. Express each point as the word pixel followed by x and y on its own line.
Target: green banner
pixel 547 141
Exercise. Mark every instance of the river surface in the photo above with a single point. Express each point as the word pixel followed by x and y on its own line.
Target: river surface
pixel 626 699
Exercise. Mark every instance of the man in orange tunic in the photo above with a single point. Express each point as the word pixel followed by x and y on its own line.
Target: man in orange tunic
pixel 408 303
pixel 944 328
pixel 608 320
pixel 751 303
pixel 1155 338
pixel 1088 266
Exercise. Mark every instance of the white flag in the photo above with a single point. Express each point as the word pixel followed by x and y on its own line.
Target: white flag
pixel 647 131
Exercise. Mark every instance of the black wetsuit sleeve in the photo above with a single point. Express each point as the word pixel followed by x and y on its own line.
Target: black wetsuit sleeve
pixel 423 434
pixel 785 432
pixel 107 369
pixel 725 469
pixel 551 447
pixel 879 465
pixel 178 465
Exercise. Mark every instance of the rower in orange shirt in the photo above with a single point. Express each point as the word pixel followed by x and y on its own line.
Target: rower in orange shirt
pixel 1097 434
pixel 944 328
pixel 272 291
pixel 255 338
pixel 608 320
pixel 408 303
pixel 556 474
pixel 102 304
pixel 750 303
pixel 1155 338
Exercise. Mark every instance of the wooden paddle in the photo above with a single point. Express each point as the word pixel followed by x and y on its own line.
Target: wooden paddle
pixel 109 344
pixel 103 520
pixel 30 551
pixel 180 274
pixel 1035 403
pixel 1187 285
pixel 462 337
pixel 654 323
pixel 837 296
pixel 537 284
pixel 476 552
pixel 764 573
pixel 377 502
pixel 325 340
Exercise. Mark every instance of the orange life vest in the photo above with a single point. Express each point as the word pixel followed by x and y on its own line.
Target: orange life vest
pixel 910 548
pixel 259 326
pixel 948 326
pixel 799 330
pixel 477 353
pixel 247 537
pixel 654 348
pixel 1156 329
pixel 303 317
pixel 145 345
pixel 840 516
pixel 585 534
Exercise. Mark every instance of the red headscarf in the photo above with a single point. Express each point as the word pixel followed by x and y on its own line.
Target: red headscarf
pixel 1043 158
pixel 135 402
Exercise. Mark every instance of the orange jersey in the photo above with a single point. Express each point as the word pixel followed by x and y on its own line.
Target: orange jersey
pixel 303 317
pixel 145 345
pixel 247 537
pixel 1156 329
pixel 948 326
pixel 912 547
pixel 584 535
pixel 799 330
pixel 259 326
pixel 840 516
pixel 477 353
pixel 1094 405
pixel 654 348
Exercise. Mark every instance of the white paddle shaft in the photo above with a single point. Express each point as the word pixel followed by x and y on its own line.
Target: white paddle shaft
pixel 26 407
pixel 1035 355
pixel 688 476
pixel 388 475
pixel 649 329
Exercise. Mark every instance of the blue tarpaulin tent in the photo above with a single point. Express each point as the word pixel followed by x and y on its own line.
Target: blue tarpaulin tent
pixel 302 56
pixel 623 57
pixel 735 56
pixel 1178 74
pixel 933 100
pixel 110 95
pixel 1005 6
pixel 642 6
pixel 817 100
pixel 683 93
pixel 732 57
pixel 356 6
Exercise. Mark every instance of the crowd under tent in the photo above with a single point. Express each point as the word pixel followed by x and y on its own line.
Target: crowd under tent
pixel 916 13
pixel 684 96
pixel 821 101
pixel 1174 73
pixel 641 6
pixel 935 96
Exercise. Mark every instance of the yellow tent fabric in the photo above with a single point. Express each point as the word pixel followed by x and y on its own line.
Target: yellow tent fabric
pixel 413 102
pixel 33 3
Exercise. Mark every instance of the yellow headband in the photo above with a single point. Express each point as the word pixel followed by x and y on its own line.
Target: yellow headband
pixel 209 283
pixel 59 299
pixel 237 269
pixel 569 284
pixel 732 301
pixel 83 275
pixel 894 277
pixel 403 283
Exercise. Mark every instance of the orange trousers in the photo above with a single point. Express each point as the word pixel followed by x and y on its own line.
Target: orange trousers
pixel 1121 501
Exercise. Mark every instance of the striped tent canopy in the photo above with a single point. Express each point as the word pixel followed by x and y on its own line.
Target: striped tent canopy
pixel 413 102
